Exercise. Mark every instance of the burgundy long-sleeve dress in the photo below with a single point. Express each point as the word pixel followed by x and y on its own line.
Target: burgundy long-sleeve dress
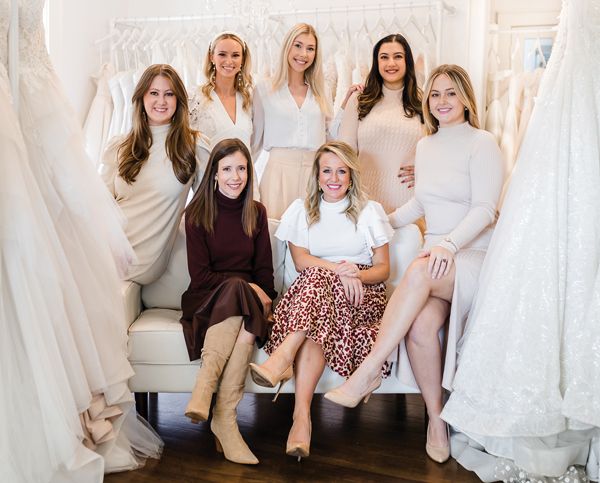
pixel 221 267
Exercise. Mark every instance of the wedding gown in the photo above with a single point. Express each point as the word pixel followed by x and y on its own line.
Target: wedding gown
pixel 527 387
pixel 61 216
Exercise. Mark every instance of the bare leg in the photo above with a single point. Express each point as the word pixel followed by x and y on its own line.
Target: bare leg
pixel 310 364
pixel 245 337
pixel 425 353
pixel 404 306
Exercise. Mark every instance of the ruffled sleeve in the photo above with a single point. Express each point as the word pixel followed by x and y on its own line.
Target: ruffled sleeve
pixel 293 226
pixel 374 224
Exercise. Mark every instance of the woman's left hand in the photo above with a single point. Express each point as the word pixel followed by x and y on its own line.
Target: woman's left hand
pixel 440 261
pixel 351 90
pixel 407 175
pixel 354 289
pixel 347 269
pixel 266 301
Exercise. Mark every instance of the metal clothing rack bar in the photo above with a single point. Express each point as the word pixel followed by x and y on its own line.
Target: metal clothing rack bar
pixel 13 52
pixel 528 29
pixel 371 8
pixel 179 18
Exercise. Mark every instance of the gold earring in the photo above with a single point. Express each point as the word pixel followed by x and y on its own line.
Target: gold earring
pixel 216 184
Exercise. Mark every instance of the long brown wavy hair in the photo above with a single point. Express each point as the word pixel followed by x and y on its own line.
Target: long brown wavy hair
pixel 464 90
pixel 243 81
pixel 180 145
pixel 202 210
pixel 356 196
pixel 411 94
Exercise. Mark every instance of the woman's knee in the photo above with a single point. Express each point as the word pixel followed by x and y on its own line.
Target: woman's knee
pixel 425 328
pixel 416 274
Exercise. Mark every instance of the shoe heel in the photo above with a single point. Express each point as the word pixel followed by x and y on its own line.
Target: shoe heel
pixel 367 397
pixel 283 381
pixel 218 446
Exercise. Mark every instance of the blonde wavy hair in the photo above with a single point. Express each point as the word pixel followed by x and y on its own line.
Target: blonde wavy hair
pixel 313 75
pixel 355 193
pixel 243 81
pixel 464 90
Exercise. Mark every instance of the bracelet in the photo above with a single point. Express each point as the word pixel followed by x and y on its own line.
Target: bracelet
pixel 449 240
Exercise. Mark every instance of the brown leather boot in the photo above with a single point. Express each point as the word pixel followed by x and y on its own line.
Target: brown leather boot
pixel 218 344
pixel 224 421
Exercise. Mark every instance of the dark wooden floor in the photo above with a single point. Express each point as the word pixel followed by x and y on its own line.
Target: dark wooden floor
pixel 381 441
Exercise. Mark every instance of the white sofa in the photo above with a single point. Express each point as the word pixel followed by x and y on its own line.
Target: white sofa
pixel 156 345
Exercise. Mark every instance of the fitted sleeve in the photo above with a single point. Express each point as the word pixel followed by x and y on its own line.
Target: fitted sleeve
pixel 486 177
pixel 333 125
pixel 262 263
pixel 258 122
pixel 349 125
pixel 109 164
pixel 198 255
pixel 409 212
pixel 293 226
pixel 374 224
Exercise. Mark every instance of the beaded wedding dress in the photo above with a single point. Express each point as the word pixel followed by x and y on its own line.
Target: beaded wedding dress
pixel 65 409
pixel 527 388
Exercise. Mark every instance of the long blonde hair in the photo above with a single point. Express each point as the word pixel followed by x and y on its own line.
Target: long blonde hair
pixel 180 145
pixel 464 90
pixel 313 75
pixel 243 81
pixel 356 196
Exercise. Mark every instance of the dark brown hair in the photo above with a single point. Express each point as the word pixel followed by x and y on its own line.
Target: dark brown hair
pixel 202 210
pixel 180 145
pixel 411 94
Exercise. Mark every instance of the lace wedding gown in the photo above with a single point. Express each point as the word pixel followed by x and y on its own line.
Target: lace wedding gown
pixel 63 345
pixel 527 387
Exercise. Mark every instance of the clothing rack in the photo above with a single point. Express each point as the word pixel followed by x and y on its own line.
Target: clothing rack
pixel 527 29
pixel 13 52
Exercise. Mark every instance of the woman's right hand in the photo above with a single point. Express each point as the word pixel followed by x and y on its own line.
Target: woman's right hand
pixel 351 90
pixel 353 289
pixel 266 301
pixel 347 269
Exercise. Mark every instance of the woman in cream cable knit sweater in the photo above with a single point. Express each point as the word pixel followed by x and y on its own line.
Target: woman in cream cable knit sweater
pixel 384 123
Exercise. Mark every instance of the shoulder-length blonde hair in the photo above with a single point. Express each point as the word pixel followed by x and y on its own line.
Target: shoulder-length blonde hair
pixel 243 81
pixel 202 210
pixel 313 75
pixel 180 145
pixel 355 193
pixel 464 90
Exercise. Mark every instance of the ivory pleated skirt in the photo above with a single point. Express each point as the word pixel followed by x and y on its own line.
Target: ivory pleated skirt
pixel 284 179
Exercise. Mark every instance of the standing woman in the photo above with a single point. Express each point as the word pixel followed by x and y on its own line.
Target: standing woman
pixel 384 123
pixel 222 107
pixel 150 170
pixel 290 119
pixel 330 315
pixel 228 301
pixel 459 176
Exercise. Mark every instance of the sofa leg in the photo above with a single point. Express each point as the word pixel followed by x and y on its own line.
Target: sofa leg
pixel 141 404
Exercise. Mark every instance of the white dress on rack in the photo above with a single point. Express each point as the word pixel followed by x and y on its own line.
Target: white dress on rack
pixel 527 387
pixel 87 223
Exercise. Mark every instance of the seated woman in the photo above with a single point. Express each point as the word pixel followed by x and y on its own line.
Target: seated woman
pixel 227 305
pixel 459 176
pixel 330 315
pixel 150 170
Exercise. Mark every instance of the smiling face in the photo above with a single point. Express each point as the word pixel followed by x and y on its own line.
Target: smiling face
pixel 227 57
pixel 160 102
pixel 444 103
pixel 334 177
pixel 302 52
pixel 392 64
pixel 232 175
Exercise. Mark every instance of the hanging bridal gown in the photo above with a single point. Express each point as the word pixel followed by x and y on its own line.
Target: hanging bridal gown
pixel 527 387
pixel 87 225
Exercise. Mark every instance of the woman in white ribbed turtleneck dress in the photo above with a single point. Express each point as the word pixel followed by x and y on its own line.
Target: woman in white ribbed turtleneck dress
pixel 150 170
pixel 384 123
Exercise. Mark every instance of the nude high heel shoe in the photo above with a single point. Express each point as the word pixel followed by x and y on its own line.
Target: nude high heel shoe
pixel 439 454
pixel 299 449
pixel 339 397
pixel 266 378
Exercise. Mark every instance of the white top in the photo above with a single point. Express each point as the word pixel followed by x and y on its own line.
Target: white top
pixel 459 175
pixel 280 123
pixel 152 204
pixel 210 117
pixel 335 237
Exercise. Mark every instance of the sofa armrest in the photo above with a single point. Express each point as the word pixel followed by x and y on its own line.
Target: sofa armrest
pixel 132 301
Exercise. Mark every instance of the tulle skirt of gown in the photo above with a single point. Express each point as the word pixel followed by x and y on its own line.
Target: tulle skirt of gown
pixel 527 387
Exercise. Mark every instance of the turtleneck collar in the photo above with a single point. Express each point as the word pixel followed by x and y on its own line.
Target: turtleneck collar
pixel 455 129
pixel 229 204
pixel 160 130
pixel 336 206
pixel 391 92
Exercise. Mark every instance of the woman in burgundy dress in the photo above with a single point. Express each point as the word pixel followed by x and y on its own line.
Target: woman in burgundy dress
pixel 227 305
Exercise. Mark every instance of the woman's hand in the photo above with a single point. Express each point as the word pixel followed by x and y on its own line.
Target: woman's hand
pixel 440 261
pixel 407 175
pixel 266 301
pixel 347 269
pixel 353 88
pixel 354 289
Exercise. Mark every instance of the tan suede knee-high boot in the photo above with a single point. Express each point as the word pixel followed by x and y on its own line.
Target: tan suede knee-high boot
pixel 218 345
pixel 224 421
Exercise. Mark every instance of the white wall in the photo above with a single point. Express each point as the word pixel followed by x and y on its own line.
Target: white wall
pixel 76 24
